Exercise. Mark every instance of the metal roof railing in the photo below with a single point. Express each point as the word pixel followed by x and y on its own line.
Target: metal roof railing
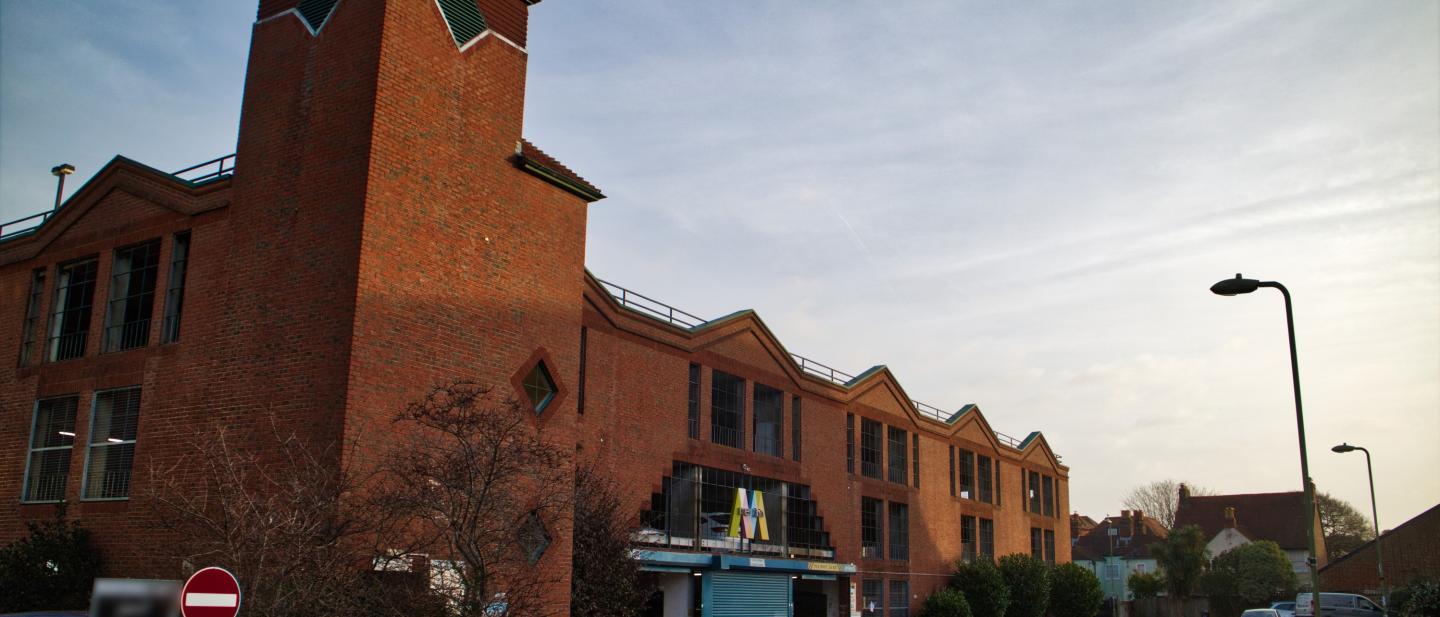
pixel 652 307
pixel 24 225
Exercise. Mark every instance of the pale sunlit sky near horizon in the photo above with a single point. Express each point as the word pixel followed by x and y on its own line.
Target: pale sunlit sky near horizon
pixel 1018 205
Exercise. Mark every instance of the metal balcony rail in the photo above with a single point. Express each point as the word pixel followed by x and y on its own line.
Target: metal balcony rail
pixel 209 170
pixel 195 174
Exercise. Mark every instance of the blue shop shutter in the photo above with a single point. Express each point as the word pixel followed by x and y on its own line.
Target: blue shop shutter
pixel 749 594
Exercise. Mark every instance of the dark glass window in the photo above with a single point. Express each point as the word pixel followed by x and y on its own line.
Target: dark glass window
pixel 769 416
pixel 533 538
pixel 32 316
pixel 697 502
pixel 1050 547
pixel 998 489
pixel 52 438
pixel 967 474
pixel 1049 494
pixel 849 443
pixel 795 427
pixel 132 296
pixel 1037 548
pixel 727 409
pixel 987 537
pixel 175 289
pixel 982 472
pixel 952 471
pixel 580 384
pixel 897 446
pixel 111 455
pixel 70 310
pixel 915 458
pixel 1035 492
pixel 872 597
pixel 693 411
pixel 899 531
pixel 870 448
pixel 899 598
pixel 871 546
pixel 968 539
pixel 539 387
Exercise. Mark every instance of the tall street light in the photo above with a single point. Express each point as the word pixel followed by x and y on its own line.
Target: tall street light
pixel 1241 285
pixel 1374 513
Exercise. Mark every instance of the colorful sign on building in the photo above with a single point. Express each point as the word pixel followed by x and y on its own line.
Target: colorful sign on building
pixel 747 518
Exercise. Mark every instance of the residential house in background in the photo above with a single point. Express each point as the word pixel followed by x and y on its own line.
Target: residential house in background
pixel 1234 520
pixel 1117 547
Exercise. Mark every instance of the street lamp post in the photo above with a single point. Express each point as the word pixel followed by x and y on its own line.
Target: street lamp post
pixel 1375 515
pixel 1241 285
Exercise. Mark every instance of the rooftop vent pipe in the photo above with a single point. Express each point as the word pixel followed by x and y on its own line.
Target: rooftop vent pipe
pixel 60 171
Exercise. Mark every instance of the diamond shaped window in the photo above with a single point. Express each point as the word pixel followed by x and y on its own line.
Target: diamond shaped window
pixel 539 387
pixel 533 538
pixel 316 12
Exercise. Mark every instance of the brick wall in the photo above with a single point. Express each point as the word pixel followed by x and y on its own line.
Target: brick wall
pixel 1411 551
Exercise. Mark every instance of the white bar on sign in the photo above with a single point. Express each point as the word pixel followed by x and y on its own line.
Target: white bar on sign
pixel 211 599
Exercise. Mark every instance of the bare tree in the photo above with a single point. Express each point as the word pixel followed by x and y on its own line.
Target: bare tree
pixel 484 495
pixel 605 580
pixel 277 513
pixel 1159 499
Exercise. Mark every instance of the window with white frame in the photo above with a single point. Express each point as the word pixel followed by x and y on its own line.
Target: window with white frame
pixel 110 456
pixel 52 438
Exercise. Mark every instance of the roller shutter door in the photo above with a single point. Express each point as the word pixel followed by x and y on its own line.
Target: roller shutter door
pixel 748 594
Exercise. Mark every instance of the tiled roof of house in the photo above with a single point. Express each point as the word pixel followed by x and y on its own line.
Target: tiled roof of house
pixel 1278 517
pixel 1131 540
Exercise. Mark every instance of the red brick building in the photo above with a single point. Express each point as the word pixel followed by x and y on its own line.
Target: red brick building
pixel 383 228
pixel 1411 552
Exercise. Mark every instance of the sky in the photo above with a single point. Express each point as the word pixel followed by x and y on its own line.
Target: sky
pixel 1017 205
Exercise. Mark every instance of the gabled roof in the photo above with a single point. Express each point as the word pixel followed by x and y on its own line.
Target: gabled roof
pixel 1278 517
pixel 1131 541
pixel 674 328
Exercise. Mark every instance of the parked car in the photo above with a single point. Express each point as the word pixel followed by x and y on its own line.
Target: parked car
pixel 1260 612
pixel 1337 605
pixel 1286 609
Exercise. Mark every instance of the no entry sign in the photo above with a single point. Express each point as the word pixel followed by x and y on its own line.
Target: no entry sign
pixel 212 592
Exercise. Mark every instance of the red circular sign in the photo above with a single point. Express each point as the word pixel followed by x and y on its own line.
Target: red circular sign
pixel 211 592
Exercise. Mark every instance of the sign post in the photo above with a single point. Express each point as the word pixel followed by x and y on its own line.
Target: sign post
pixel 211 592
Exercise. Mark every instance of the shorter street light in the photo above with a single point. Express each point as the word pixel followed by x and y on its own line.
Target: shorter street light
pixel 1374 513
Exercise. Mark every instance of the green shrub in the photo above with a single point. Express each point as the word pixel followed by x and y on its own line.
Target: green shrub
pixel 1028 579
pixel 983 586
pixel 1074 592
pixel 1418 599
pixel 946 602
pixel 1146 584
pixel 1246 576
pixel 52 568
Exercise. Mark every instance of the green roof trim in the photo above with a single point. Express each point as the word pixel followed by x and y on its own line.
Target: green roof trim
pixel 465 20
pixel 560 180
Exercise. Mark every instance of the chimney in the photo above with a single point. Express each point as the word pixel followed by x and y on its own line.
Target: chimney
pixel 1184 495
pixel 1230 517
pixel 1137 526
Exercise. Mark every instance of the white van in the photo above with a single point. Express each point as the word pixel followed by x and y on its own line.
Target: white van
pixel 1337 605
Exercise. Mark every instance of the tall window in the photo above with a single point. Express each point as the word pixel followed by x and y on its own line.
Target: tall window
pixel 52 437
pixel 897 455
pixel 968 539
pixel 1035 492
pixel 769 420
pixel 899 598
pixel 580 384
pixel 982 473
pixel 952 471
pixel 998 488
pixel 70 311
pixel 915 458
pixel 111 455
pixel 987 537
pixel 1050 547
pixel 132 296
pixel 870 448
pixel 967 474
pixel 899 531
pixel 693 411
pixel 727 409
pixel 1037 548
pixel 175 292
pixel 32 316
pixel 1049 494
pixel 871 546
pixel 872 597
pixel 795 427
pixel 849 443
